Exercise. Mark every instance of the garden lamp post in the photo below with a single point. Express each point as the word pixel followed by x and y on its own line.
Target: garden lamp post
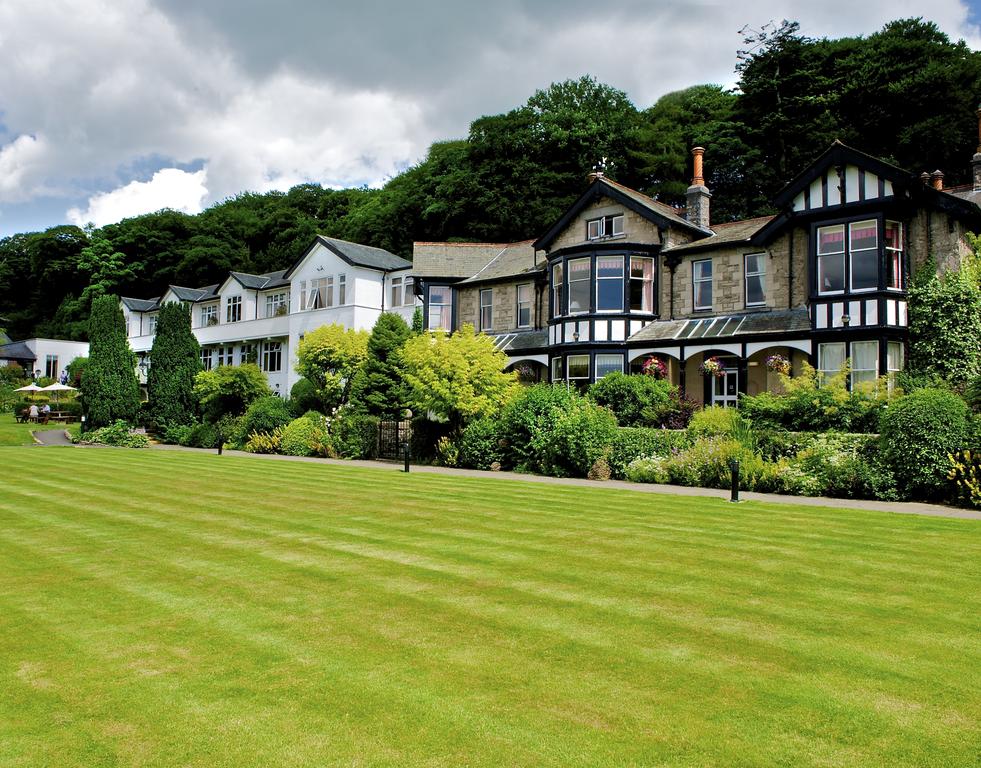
pixel 405 441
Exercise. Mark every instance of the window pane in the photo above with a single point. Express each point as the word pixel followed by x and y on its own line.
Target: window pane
pixel 865 270
pixel 894 356
pixel 578 366
pixel 831 239
pixel 557 290
pixel 894 234
pixel 558 369
pixel 617 225
pixel 864 235
pixel 754 290
pixel 702 269
pixel 641 284
pixel 831 273
pixel 702 276
pixel 609 266
pixel 830 358
pixel 608 364
pixel 609 285
pixel 579 279
pixel 754 263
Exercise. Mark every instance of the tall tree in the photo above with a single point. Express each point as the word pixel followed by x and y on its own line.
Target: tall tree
pixel 175 359
pixel 110 390
pixel 378 388
pixel 330 357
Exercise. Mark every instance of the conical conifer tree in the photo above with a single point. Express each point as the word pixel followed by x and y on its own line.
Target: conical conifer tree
pixel 110 390
pixel 175 359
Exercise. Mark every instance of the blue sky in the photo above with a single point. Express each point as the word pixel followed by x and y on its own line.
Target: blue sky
pixel 111 109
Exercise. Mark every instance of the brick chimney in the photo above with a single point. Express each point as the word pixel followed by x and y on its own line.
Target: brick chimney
pixel 698 196
pixel 937 178
pixel 976 161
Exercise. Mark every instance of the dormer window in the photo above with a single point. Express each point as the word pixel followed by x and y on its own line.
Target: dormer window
pixel 605 226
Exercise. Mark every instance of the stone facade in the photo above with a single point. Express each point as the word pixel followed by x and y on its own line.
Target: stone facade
pixel 636 229
pixel 505 305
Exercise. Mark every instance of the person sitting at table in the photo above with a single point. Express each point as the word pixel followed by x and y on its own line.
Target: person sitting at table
pixel 45 412
pixel 32 414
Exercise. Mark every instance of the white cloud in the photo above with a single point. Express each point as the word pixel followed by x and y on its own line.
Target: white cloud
pixel 20 161
pixel 169 188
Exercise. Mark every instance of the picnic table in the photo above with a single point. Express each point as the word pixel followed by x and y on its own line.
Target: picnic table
pixel 43 418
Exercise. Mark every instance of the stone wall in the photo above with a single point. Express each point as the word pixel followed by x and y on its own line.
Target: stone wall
pixel 636 228
pixel 505 306
pixel 937 235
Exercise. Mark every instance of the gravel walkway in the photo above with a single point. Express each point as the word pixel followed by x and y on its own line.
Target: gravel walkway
pixel 901 508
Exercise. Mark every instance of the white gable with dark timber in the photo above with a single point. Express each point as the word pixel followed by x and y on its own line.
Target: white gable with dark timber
pixel 853 185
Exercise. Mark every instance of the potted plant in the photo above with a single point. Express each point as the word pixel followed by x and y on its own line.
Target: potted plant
pixel 656 367
pixel 712 366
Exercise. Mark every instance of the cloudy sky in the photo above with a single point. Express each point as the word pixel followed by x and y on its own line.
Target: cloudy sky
pixel 110 108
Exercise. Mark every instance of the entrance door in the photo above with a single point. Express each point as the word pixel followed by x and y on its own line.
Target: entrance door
pixel 725 389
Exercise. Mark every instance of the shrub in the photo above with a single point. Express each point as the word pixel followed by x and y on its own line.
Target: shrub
pixel 965 477
pixel 176 360
pixel 528 422
pixel 202 436
pixel 425 437
pixel 304 436
pixel 716 421
pixel 355 435
pixel 634 400
pixel 676 414
pixel 919 432
pixel 600 470
pixel 631 443
pixel 482 444
pixel 304 397
pixel 118 434
pixel 176 434
pixel 12 373
pixel 264 415
pixel 447 453
pixel 260 442
pixel 110 391
pixel 583 434
pixel 846 466
pixel 648 469
pixel 229 389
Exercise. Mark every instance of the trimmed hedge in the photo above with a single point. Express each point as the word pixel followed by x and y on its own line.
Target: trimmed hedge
pixel 632 443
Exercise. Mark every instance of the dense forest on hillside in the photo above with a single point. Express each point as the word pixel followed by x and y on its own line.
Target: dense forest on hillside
pixel 907 94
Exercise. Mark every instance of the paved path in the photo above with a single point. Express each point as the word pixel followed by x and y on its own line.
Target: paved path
pixel 51 437
pixel 902 508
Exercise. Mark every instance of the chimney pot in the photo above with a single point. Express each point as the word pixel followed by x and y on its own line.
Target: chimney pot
pixel 925 177
pixel 698 180
pixel 938 179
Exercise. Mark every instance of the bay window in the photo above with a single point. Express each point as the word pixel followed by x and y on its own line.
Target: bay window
pixel 277 304
pixel 524 305
pixel 608 364
pixel 865 362
pixel 440 307
pixel 557 290
pixel 580 274
pixel 863 252
pixel 609 284
pixel 831 259
pixel 831 357
pixel 641 284
pixel 701 275
pixel 558 369
pixel 755 273
pixel 209 315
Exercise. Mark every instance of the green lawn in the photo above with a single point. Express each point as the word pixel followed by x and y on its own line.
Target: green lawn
pixel 185 609
pixel 12 433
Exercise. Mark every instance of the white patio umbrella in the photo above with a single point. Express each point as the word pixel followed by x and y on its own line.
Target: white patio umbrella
pixel 29 388
pixel 56 388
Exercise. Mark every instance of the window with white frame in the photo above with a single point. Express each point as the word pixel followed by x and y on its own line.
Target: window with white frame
pixel 226 355
pixel 272 356
pixel 205 358
pixel 606 364
pixel 51 366
pixel 233 309
pixel 329 292
pixel 557 290
pixel 831 259
pixel 440 307
pixel 755 272
pixel 151 325
pixel 396 300
pixel 865 363
pixel 486 309
pixel 341 289
pixel 641 284
pixel 277 304
pixel 577 367
pixel 831 357
pixel 605 226
pixel 895 354
pixel 863 254
pixel 580 274
pixel 558 369
pixel 609 283
pixel 316 295
pixel 523 297
pixel 209 315
pixel 894 255
pixel 701 280
pixel 408 292
pixel 249 354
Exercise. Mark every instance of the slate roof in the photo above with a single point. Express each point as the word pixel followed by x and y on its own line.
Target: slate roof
pixel 521 340
pixel 262 282
pixel 512 260
pixel 194 294
pixel 731 233
pixel 453 260
pixel 364 255
pixel 16 350
pixel 141 305
pixel 724 326
pixel 667 211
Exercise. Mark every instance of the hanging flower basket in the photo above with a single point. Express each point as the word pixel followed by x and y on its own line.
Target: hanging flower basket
pixel 712 367
pixel 656 367
pixel 778 364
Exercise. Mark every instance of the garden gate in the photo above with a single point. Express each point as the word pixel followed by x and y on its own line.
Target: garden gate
pixel 391 435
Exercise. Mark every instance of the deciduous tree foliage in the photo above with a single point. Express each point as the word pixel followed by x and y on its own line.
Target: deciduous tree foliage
pixel 330 357
pixel 229 390
pixel 110 390
pixel 457 377
pixel 175 359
